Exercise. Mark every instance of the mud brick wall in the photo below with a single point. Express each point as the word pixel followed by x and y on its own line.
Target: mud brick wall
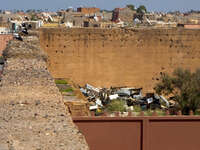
pixel 118 57
pixel 4 39
pixel 79 108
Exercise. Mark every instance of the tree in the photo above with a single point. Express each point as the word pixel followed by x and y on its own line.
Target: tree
pixel 30 11
pixel 141 9
pixel 132 7
pixel 183 86
pixel 33 17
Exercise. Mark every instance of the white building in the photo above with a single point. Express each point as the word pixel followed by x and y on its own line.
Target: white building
pixel 4 30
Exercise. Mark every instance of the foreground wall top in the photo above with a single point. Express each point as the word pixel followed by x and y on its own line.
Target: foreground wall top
pixel 32 112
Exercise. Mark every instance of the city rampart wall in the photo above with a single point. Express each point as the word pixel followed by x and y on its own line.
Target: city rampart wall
pixel 118 57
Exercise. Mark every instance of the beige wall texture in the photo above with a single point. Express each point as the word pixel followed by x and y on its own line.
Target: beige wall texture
pixel 4 39
pixel 119 57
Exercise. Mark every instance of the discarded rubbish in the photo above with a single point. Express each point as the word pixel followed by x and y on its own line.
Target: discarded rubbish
pixel 93 107
pixel 90 87
pixel 25 31
pixel 17 36
pixel 101 97
pixel 115 96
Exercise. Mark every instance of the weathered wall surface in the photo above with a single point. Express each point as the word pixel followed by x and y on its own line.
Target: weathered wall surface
pixel 119 57
pixel 4 38
pixel 32 111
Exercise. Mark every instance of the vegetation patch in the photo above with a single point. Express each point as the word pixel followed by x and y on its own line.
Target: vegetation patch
pixel 61 82
pixel 137 108
pixel 116 106
pixel 183 86
pixel 67 90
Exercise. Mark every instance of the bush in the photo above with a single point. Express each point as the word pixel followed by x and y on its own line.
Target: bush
pixel 1 59
pixel 61 82
pixel 67 90
pixel 148 113
pixel 183 86
pixel 137 108
pixel 132 7
pixel 116 106
pixel 141 9
pixel 160 112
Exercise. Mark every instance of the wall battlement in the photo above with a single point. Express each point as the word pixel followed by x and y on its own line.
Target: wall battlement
pixel 118 57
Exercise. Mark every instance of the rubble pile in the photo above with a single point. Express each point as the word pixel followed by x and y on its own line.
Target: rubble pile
pixel 100 98
pixel 32 113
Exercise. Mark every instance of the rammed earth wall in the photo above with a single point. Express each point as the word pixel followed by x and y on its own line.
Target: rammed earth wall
pixel 4 39
pixel 119 57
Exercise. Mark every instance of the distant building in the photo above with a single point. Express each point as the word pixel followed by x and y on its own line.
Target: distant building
pixel 61 13
pixel 106 24
pixel 16 25
pixel 9 17
pixel 76 19
pixel 4 30
pixel 123 14
pixel 7 12
pixel 107 16
pixel 88 11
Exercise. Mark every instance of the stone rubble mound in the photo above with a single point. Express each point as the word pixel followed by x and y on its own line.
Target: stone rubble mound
pixel 32 111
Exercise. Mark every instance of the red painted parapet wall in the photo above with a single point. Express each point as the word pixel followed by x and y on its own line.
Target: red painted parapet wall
pixel 141 133
pixel 4 39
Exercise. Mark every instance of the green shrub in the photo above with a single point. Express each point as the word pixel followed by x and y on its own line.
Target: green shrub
pixel 148 113
pixel 137 108
pixel 61 82
pixel 197 112
pixel 183 85
pixel 67 90
pixel 1 58
pixel 116 106
pixel 160 112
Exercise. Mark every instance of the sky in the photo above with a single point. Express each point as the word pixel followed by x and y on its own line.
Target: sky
pixel 152 5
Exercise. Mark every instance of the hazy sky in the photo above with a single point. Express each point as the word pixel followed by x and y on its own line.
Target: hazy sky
pixel 152 5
